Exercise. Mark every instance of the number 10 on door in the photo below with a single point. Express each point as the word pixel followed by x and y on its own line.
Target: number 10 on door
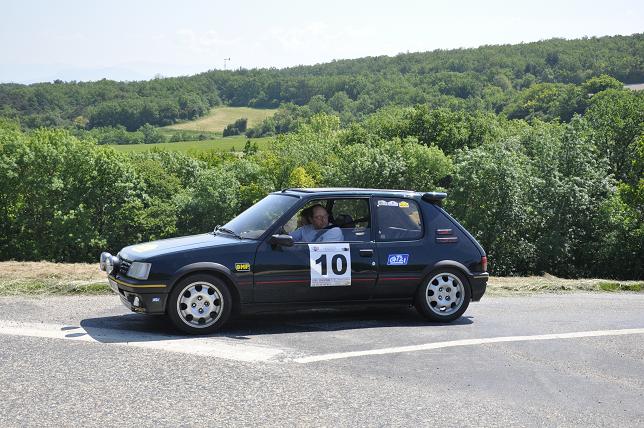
pixel 330 265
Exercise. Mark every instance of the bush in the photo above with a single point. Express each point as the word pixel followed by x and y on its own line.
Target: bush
pixel 82 199
pixel 151 135
pixel 239 127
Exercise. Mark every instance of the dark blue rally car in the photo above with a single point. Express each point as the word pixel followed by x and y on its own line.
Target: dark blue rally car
pixel 308 247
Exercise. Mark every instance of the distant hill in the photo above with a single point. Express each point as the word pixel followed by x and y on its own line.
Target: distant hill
pixel 486 78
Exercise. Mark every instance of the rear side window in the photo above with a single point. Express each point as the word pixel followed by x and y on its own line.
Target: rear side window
pixel 398 219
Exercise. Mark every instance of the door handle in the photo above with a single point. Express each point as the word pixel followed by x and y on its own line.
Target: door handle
pixel 366 253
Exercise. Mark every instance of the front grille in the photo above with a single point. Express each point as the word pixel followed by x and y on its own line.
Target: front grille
pixel 125 266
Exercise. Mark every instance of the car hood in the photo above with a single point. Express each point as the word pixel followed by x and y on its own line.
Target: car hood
pixel 151 249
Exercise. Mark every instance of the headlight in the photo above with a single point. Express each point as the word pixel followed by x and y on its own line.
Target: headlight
pixel 108 262
pixel 139 270
pixel 103 259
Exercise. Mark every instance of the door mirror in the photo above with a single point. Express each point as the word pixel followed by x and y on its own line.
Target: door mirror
pixel 283 240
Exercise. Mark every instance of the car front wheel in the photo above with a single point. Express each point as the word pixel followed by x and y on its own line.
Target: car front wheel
pixel 200 304
pixel 444 297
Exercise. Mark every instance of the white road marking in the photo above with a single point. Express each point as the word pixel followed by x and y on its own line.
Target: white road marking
pixel 466 342
pixel 227 349
pixel 205 346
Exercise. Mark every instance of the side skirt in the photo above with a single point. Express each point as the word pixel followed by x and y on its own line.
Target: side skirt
pixel 252 308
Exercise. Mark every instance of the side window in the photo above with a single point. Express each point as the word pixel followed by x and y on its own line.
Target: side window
pixel 303 216
pixel 347 220
pixel 353 217
pixel 398 219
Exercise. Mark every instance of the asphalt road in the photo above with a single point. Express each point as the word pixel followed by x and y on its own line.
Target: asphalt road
pixel 547 360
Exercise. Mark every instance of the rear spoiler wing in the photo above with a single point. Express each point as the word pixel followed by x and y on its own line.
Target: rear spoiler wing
pixel 434 197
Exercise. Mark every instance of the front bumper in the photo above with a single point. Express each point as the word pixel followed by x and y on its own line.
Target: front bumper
pixel 478 283
pixel 139 296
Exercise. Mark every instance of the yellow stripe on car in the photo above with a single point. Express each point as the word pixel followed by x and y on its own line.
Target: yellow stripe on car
pixel 137 286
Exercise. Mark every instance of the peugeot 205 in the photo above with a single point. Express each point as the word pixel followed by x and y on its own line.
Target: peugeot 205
pixel 308 247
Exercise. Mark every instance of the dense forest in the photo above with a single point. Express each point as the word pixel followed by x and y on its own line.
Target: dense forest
pixel 549 177
pixel 500 79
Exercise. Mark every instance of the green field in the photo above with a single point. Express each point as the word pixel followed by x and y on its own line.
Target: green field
pixel 219 117
pixel 219 144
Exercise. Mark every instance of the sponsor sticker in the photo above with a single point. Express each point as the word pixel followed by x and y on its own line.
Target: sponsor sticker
pixel 397 259
pixel 403 204
pixel 242 267
pixel 392 203
pixel 382 203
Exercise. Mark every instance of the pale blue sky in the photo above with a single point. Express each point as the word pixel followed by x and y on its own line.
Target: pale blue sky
pixel 136 39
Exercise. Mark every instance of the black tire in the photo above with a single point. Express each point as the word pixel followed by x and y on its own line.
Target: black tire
pixel 444 296
pixel 200 304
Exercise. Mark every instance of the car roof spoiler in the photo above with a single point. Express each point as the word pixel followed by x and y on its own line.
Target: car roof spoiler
pixel 434 197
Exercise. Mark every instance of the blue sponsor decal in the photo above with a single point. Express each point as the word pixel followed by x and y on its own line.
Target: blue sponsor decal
pixel 397 259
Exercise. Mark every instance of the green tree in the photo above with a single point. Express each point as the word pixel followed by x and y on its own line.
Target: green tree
pixel 151 135
pixel 623 228
pixel 601 83
pixel 491 194
pixel 212 199
pixel 547 101
pixel 236 128
pixel 87 201
pixel 617 117
pixel 397 164
pixel 572 183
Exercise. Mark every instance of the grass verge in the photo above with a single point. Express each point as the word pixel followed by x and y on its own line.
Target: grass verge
pixel 44 278
pixel 618 286
pixel 54 288
pixel 551 284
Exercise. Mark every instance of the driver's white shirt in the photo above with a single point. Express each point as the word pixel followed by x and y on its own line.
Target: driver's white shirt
pixel 308 232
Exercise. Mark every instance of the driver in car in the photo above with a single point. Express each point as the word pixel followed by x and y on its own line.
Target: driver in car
pixel 318 229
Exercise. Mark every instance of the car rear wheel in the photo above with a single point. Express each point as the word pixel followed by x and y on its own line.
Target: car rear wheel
pixel 200 304
pixel 444 297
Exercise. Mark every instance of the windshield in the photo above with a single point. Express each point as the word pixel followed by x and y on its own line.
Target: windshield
pixel 253 222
